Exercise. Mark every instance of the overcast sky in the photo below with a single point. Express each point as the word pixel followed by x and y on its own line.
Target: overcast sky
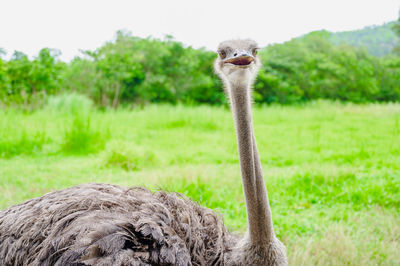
pixel 70 25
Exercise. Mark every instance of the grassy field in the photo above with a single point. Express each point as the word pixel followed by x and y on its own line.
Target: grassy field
pixel 332 171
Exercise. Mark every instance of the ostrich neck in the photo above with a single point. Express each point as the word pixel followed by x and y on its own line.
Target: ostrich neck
pixel 258 210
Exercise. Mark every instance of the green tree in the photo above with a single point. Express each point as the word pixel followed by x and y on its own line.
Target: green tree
pixel 44 72
pixel 18 69
pixel 81 76
pixel 4 84
pixel 388 72
pixel 312 67
pixel 32 80
pixel 132 69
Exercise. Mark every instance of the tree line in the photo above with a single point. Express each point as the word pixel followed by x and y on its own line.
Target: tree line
pixel 133 70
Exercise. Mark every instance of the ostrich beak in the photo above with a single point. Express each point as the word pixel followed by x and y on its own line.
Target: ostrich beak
pixel 240 59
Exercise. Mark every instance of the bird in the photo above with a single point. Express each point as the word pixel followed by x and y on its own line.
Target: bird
pixel 104 224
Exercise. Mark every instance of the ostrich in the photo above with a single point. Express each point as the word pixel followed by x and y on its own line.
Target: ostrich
pixel 101 224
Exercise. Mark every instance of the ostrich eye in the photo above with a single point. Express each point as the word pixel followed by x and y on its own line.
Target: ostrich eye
pixel 255 50
pixel 222 54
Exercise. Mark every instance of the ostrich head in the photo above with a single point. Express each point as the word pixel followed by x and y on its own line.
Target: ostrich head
pixel 237 62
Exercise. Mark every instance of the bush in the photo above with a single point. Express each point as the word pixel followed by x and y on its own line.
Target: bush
pixel 71 103
pixel 21 144
pixel 127 156
pixel 80 138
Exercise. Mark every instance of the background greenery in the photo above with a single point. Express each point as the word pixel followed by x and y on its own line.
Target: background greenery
pixel 131 70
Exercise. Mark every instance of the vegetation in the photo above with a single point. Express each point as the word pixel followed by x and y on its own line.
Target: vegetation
pixel 377 40
pixel 131 70
pixel 312 68
pixel 332 169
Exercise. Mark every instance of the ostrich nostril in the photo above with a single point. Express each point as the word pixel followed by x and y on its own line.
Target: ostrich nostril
pixel 235 54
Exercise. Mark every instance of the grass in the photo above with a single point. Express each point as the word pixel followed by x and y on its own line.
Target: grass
pixel 332 170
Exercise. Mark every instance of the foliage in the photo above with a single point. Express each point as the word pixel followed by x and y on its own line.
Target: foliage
pixel 28 81
pixel 311 67
pixel 131 70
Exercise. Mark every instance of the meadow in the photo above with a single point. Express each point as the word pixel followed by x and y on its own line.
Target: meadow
pixel 332 170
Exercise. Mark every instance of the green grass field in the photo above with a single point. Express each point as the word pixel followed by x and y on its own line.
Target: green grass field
pixel 332 170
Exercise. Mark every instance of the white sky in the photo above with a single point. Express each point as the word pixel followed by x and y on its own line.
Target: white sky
pixel 70 25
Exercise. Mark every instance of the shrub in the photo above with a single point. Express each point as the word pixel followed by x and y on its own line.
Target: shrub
pixel 80 138
pixel 127 156
pixel 21 144
pixel 70 103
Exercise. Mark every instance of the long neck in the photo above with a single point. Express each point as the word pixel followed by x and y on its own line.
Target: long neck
pixel 258 210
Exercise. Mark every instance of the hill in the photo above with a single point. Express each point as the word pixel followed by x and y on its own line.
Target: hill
pixel 378 40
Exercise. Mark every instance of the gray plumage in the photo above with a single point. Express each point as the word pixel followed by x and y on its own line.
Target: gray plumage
pixel 100 224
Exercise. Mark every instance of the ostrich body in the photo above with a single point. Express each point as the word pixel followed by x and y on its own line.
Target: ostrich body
pixel 100 224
